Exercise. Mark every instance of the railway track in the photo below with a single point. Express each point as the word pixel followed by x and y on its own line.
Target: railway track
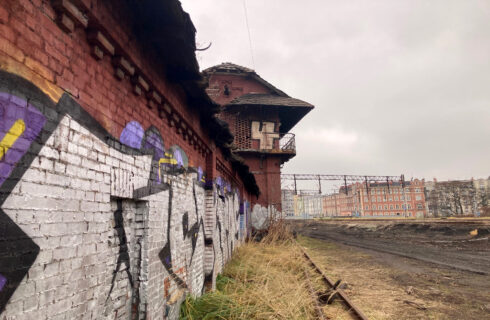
pixel 331 294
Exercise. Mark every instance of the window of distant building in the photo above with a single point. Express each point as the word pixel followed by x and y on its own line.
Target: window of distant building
pixel 373 199
pixel 379 191
pixel 379 199
pixel 419 206
pixel 366 199
pixel 418 197
pixel 367 207
pixel 374 207
pixel 391 206
pixel 386 207
pixel 409 206
pixel 380 207
pixel 408 198
pixel 417 190
pixel 398 206
pixel 390 198
pixel 396 198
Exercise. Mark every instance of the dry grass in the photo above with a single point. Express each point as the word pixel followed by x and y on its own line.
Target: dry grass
pixel 264 280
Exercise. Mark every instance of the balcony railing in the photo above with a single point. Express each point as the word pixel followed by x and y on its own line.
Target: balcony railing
pixel 287 142
pixel 273 142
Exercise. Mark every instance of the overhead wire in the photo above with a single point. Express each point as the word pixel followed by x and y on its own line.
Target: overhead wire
pixel 249 34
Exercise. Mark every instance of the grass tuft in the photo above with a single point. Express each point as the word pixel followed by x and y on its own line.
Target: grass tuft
pixel 263 280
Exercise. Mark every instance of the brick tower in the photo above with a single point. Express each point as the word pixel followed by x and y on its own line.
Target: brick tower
pixel 260 117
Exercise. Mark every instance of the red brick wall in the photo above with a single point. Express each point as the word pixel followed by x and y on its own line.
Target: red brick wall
pixel 237 85
pixel 33 46
pixel 267 173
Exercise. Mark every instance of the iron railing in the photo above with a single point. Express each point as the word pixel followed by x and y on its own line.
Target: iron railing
pixel 273 142
pixel 287 142
pixel 278 142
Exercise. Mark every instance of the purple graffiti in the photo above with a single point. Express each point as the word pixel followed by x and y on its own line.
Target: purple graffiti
pixel 200 174
pixel 3 281
pixel 220 184
pixel 154 142
pixel 20 124
pixel 132 135
pixel 180 156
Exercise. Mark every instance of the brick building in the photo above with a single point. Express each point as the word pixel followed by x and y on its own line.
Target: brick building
pixel 119 190
pixel 378 199
pixel 259 116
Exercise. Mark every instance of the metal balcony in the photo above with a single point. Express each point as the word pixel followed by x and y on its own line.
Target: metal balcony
pixel 287 142
pixel 269 142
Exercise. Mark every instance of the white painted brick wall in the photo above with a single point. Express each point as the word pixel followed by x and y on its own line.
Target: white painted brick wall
pixel 65 203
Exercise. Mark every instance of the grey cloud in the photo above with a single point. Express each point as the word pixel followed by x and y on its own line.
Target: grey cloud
pixel 408 78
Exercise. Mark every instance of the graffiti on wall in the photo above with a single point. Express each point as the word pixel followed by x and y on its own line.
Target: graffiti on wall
pixel 3 281
pixel 123 255
pixel 20 126
pixel 29 118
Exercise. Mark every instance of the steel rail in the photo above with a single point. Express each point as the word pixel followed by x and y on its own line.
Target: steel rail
pixel 318 308
pixel 358 313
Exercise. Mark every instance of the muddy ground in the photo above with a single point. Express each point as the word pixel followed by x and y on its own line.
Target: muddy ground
pixel 415 270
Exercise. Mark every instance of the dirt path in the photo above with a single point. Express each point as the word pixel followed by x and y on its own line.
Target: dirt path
pixel 447 245
pixel 372 259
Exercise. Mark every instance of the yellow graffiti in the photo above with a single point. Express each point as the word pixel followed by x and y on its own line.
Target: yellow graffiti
pixel 168 160
pixel 11 136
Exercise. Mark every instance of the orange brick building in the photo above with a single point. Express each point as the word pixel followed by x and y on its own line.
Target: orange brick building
pixel 377 199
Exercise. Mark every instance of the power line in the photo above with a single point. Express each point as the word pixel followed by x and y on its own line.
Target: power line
pixel 249 35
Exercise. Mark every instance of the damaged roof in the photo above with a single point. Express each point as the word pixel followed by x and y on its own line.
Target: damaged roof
pixel 291 110
pixel 231 68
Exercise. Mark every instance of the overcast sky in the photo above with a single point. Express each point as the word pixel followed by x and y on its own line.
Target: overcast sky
pixel 398 86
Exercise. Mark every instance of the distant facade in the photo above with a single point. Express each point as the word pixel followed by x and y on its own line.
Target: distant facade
pixel 361 199
pixel 416 198
pixel 287 198
pixel 457 197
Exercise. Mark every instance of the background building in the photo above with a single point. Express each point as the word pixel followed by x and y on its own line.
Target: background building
pixel 287 197
pixel 457 197
pixel 371 199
